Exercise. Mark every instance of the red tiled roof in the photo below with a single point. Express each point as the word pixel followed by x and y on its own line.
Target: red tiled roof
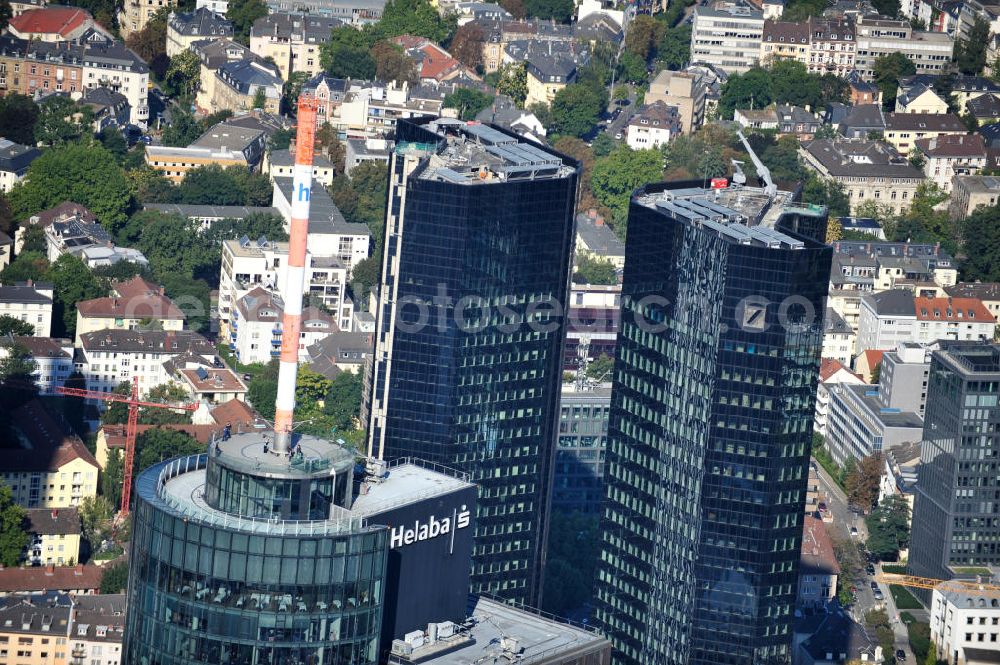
pixel 136 299
pixel 954 145
pixel 874 357
pixel 218 380
pixel 52 442
pixel 51 578
pixel 235 412
pixel 436 62
pixel 817 549
pixel 830 366
pixel 50 20
pixel 956 310
pixel 114 435
pixel 62 211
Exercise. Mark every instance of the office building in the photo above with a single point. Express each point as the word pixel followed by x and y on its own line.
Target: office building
pixel 930 52
pixel 728 37
pixel 478 218
pixel 954 522
pixel 722 322
pixel 583 434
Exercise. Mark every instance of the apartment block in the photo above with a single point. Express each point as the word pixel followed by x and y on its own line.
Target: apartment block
pixel 30 302
pixel 292 40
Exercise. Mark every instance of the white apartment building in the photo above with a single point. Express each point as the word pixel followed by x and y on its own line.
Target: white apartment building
pixel 53 358
pixel 839 338
pixel 30 302
pixel 97 629
pixel 930 52
pixel 952 155
pixel 728 37
pixel 831 372
pixel 109 64
pixel 247 265
pixel 107 358
pixel 886 319
pixel 965 626
pixel 961 319
pixel 256 332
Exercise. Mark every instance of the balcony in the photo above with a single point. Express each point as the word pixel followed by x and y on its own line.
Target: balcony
pixel 275 353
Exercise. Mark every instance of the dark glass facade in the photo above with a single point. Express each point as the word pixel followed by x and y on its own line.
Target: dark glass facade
pixel 955 508
pixel 207 586
pixel 467 366
pixel 580 451
pixel 710 427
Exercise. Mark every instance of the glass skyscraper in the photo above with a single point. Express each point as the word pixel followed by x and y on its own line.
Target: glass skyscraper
pixel 955 510
pixel 710 425
pixel 468 360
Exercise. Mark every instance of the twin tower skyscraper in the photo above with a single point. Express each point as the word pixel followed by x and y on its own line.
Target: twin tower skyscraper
pixel 714 383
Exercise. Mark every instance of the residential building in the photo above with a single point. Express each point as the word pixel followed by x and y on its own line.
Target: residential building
pixel 14 162
pixel 839 338
pixel 782 40
pixel 963 88
pixel 694 397
pixel 685 91
pixel 903 130
pixel 835 637
pixel 886 319
pixel 508 237
pixel 947 157
pixel 210 385
pixel 341 351
pixel 480 11
pixel 206 215
pixel 135 14
pixel 987 293
pixel 256 331
pixel 237 84
pixel 652 126
pixel 223 145
pixel 98 628
pixel 903 373
pixel 330 235
pixel 51 24
pixel 964 625
pixel 583 431
pixel 930 52
pixel 868 364
pixel 89 242
pixel 30 302
pixel 832 48
pixel 292 40
pixel 950 318
pixel 862 122
pixel 281 164
pixel 969 192
pixel 34 582
pixel 31 67
pixel 728 37
pixel 214 53
pixel 133 305
pixel 830 372
pixel 62 212
pixel 248 264
pixel 953 523
pixel 548 73
pixel 781 118
pixel 53 358
pixel 919 98
pixel 433 63
pixel 595 239
pixel 355 12
pixel 862 91
pixel 366 150
pixel 818 567
pixel 186 28
pixel 899 476
pixel 985 108
pixel 35 629
pixel 108 64
pixel 107 358
pixel 865 225
pixel 54 536
pixel 110 108
pixel 861 265
pixel 220 7
pixel 48 467
pixel 867 170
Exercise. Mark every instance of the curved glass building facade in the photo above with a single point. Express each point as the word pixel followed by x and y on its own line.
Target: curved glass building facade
pixel 244 556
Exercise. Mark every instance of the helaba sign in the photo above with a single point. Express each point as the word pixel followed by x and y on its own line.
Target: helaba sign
pixel 432 528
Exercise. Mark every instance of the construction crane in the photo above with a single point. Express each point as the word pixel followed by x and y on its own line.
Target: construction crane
pixel 961 586
pixel 765 173
pixel 133 403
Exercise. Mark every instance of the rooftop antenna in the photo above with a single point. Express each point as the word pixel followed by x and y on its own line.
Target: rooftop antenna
pixel 291 321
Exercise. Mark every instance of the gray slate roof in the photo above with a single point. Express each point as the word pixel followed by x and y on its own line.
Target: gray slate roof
pixel 895 302
pixel 14 157
pixel 202 22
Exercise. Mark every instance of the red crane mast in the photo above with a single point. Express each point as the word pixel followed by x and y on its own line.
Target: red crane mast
pixel 133 403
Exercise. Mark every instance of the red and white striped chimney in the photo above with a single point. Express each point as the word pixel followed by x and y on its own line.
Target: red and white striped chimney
pixel 291 322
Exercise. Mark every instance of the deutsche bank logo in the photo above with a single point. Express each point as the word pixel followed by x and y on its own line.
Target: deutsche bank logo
pixel 432 528
pixel 303 193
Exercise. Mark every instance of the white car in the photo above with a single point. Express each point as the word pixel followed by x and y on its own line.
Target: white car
pixel 854 532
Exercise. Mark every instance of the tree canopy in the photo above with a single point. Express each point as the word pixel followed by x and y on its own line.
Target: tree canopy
pixel 981 236
pixel 18 115
pixel 888 70
pixel 13 536
pixel 591 270
pixel 970 53
pixel 889 528
pixel 467 102
pixel 861 483
pixel 616 176
pixel 577 108
pixel 347 54
pixel 243 13
pixel 10 325
pixel 555 10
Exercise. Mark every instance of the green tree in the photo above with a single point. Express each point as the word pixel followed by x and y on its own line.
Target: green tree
pixel 112 477
pixel 829 193
pixel 792 84
pixel 616 176
pixel 13 536
pixel 412 17
pixel 888 70
pixel 183 129
pixel 601 367
pixel 981 234
pixel 290 92
pixel 72 282
pixel 61 120
pixel 576 109
pixel 468 102
pixel 889 528
pixel 512 80
pixel 150 43
pixel 156 445
pixel 632 68
pixel 743 91
pixel 800 10
pixel 85 174
pixel 970 53
pixel 263 390
pixel 555 10
pixel 243 13
pixel 113 141
pixel 260 98
pixel 861 483
pixel 888 8
pixel 18 116
pixel 183 75
pixel 392 64
pixel 467 45
pixel 96 515
pixel 643 36
pixel 674 49
pixel 347 54
pixel 10 325
pixel 603 145
pixel 27 265
pixel 114 579
pixel 343 400
pixel 6 13
pixel 590 270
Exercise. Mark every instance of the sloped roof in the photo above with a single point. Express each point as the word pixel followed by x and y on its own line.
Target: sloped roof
pixel 830 366
pixel 953 145
pixel 62 578
pixel 51 442
pixel 963 310
pixel 817 555
pixel 894 302
pixel 50 20
pixel 54 521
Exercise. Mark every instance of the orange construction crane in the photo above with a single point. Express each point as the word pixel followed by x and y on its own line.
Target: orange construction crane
pixel 961 586
pixel 134 403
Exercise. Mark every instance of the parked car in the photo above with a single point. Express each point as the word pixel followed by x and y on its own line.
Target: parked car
pixel 900 655
pixel 822 507
pixel 618 136
pixel 146 139
pixel 247 377
pixel 870 569
pixel 854 532
pixel 878 594
pixel 874 585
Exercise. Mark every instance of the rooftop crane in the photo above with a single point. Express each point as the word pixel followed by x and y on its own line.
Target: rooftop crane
pixel 133 403
pixel 765 174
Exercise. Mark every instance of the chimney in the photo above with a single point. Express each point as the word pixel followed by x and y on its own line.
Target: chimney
pixel 50 570
pixel 78 570
pixel 55 513
pixel 599 221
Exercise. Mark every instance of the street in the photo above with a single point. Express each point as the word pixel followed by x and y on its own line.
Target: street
pixel 840 528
